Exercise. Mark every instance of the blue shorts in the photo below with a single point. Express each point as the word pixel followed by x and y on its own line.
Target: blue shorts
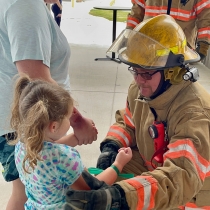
pixel 7 158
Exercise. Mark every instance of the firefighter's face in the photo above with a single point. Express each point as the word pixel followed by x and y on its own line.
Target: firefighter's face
pixel 147 81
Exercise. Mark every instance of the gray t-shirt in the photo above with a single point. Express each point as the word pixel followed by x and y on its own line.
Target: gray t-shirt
pixel 28 31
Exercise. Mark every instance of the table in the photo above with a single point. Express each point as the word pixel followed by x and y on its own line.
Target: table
pixel 114 9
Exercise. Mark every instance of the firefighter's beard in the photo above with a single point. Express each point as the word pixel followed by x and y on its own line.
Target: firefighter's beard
pixel 146 90
pixel 150 92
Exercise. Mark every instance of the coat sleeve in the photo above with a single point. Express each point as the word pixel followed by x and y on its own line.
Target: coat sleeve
pixel 202 9
pixel 123 130
pixel 186 167
pixel 137 14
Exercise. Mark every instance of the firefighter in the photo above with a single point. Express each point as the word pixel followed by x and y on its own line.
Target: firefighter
pixel 192 15
pixel 165 90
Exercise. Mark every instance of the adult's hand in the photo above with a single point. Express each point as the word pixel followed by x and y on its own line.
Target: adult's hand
pixel 101 196
pixel 109 151
pixel 84 128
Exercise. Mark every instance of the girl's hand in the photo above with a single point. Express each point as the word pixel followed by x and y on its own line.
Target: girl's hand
pixel 123 157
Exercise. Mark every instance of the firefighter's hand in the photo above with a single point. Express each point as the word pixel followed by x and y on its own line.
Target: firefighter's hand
pixel 101 196
pixel 202 49
pixel 84 128
pixel 109 151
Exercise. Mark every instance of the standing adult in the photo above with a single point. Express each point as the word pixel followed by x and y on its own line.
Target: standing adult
pixel 192 15
pixel 31 43
pixel 166 122
pixel 57 11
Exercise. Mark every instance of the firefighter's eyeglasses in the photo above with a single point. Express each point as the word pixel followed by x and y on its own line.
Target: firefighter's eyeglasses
pixel 146 75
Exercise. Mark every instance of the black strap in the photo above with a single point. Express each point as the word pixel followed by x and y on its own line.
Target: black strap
pixel 184 2
pixel 154 113
pixel 169 7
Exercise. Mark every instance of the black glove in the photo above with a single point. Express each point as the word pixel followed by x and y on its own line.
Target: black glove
pixel 109 151
pixel 100 197
pixel 202 49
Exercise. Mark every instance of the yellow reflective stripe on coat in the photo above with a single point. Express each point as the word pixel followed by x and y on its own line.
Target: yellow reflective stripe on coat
pixel 204 32
pixel 185 146
pixel 120 134
pixel 128 117
pixel 146 187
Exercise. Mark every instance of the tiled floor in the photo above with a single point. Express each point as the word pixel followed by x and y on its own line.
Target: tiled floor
pixel 99 87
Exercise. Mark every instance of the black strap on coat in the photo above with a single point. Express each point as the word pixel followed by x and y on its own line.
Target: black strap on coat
pixel 154 113
pixel 169 7
pixel 184 2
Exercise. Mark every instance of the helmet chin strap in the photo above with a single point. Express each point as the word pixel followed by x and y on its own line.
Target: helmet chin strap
pixel 162 87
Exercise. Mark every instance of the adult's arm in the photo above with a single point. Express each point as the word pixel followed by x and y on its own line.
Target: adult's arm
pixel 109 175
pixel 203 25
pixel 84 128
pixel 136 15
pixel 167 187
pixel 203 21
pixel 35 69
pixel 120 134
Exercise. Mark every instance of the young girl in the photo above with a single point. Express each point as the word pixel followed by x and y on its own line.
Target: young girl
pixel 40 115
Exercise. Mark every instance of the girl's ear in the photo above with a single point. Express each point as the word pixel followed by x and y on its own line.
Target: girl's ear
pixel 53 126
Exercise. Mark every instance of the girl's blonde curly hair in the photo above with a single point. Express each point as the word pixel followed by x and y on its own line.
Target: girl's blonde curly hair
pixel 36 103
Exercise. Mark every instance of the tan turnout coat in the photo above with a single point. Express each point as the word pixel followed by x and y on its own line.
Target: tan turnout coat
pixel 193 17
pixel 184 179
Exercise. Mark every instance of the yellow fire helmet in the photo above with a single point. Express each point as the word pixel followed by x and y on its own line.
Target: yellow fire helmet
pixel 156 43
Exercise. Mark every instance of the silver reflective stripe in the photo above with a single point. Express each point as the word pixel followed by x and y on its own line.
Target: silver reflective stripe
pixel 147 191
pixel 162 11
pixel 139 3
pixel 204 32
pixel 190 150
pixel 109 199
pixel 120 134
pixel 132 22
pixel 129 119
pixel 203 5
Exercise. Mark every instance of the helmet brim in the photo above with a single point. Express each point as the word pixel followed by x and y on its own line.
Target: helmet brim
pixel 190 56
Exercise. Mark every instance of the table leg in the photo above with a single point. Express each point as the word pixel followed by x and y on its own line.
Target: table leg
pixel 114 29
pixel 113 39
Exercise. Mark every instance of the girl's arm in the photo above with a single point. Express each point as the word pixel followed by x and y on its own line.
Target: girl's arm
pixel 70 140
pixel 109 175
